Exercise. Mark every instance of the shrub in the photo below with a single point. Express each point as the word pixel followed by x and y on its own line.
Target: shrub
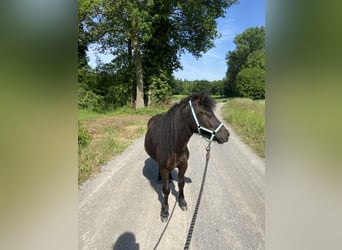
pixel 83 136
pixel 88 100
pixel 250 83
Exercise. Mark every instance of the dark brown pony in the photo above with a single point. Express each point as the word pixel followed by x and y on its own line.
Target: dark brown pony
pixel 168 135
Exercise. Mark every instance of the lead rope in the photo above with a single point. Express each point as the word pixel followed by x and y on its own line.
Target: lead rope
pixel 194 216
pixel 166 226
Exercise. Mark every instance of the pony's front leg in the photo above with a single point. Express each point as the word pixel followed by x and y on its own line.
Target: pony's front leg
pixel 164 214
pixel 181 172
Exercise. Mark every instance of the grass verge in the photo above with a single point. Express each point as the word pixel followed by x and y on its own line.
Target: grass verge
pixel 247 118
pixel 108 134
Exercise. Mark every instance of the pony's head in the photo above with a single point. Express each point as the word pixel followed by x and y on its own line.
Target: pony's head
pixel 205 121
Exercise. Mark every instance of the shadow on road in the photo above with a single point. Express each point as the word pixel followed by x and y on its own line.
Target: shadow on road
pixel 150 171
pixel 126 241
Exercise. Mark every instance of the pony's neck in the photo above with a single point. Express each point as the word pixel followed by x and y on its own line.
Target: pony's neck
pixel 186 128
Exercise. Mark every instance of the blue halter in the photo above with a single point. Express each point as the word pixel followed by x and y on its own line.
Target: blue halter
pixel 199 127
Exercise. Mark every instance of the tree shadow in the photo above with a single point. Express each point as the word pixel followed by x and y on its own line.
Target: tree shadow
pixel 150 171
pixel 126 241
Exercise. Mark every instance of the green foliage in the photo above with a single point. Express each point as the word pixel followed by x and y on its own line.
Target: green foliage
pixel 83 136
pixel 160 87
pixel 256 59
pixel 186 87
pixel 88 100
pixel 249 53
pixel 103 89
pixel 145 38
pixel 250 83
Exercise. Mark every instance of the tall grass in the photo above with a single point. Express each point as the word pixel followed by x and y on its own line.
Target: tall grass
pixel 247 117
pixel 112 132
pixel 98 152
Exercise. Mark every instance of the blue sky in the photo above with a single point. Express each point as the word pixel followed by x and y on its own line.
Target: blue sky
pixel 212 65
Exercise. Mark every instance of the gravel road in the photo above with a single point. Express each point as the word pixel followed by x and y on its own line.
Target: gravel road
pixel 120 207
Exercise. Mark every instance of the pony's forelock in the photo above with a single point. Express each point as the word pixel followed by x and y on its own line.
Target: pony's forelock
pixel 203 98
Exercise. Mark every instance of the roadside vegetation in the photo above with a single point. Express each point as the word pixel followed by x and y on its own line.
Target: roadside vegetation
pixel 247 117
pixel 102 136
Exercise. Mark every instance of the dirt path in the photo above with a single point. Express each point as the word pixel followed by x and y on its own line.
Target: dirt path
pixel 119 208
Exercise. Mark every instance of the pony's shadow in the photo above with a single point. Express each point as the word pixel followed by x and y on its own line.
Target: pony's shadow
pixel 150 171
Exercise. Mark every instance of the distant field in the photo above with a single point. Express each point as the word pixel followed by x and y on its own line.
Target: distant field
pixel 247 117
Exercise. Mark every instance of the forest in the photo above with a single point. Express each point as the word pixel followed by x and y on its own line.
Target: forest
pixel 146 39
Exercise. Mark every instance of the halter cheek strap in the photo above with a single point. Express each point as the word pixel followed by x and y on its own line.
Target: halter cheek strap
pixel 199 127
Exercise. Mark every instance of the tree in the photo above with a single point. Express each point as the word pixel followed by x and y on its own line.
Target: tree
pixel 160 88
pixel 87 10
pixel 149 36
pixel 179 26
pixel 250 82
pixel 125 25
pixel 249 53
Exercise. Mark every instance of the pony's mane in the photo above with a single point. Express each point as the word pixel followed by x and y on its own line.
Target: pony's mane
pixel 167 132
pixel 204 99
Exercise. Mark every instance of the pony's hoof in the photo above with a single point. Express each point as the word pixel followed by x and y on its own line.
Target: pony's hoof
pixel 183 205
pixel 164 215
pixel 163 219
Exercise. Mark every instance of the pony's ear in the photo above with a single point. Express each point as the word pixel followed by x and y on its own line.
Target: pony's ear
pixel 206 101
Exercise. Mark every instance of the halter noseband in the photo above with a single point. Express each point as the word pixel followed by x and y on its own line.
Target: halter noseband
pixel 199 127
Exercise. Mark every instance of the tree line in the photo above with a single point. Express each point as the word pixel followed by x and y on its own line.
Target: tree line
pixel 186 87
pixel 146 39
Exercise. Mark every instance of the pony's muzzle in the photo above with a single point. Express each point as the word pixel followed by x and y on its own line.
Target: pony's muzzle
pixel 222 135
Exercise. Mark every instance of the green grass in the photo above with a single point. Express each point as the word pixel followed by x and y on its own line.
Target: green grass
pixel 86 115
pixel 98 152
pixel 247 117
pixel 109 134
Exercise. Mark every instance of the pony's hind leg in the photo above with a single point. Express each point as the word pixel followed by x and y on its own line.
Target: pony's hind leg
pixel 160 177
pixel 181 172
pixel 164 213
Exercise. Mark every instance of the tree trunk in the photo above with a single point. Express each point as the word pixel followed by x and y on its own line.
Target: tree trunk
pixel 131 79
pixel 139 101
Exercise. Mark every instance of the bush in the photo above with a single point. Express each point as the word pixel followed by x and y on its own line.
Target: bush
pixel 250 83
pixel 88 100
pixel 83 136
